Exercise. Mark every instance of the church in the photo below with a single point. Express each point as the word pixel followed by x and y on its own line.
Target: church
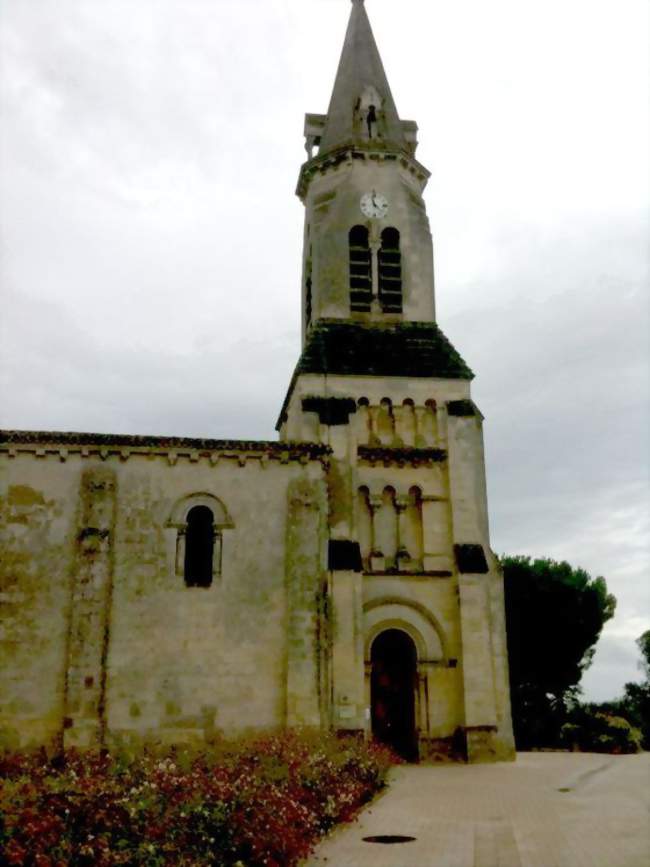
pixel 179 590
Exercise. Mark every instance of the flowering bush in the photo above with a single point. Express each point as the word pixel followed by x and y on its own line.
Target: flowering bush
pixel 262 801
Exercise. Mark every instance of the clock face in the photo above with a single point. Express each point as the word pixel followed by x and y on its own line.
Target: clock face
pixel 374 205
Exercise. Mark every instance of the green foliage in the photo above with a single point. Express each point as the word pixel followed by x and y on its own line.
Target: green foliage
pixel 635 704
pixel 619 725
pixel 643 643
pixel 262 801
pixel 554 617
pixel 591 730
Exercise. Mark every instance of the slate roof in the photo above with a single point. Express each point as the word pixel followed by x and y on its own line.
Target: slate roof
pixel 380 349
pixel 344 348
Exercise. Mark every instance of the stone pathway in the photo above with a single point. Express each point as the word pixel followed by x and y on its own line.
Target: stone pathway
pixel 544 810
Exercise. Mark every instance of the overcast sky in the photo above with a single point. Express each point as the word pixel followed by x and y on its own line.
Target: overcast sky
pixel 151 238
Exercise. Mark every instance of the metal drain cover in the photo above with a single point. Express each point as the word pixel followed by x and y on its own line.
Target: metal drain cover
pixel 388 838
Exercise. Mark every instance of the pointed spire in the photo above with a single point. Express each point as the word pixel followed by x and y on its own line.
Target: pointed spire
pixel 362 106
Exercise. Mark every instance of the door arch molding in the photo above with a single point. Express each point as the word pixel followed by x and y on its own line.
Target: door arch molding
pixel 419 622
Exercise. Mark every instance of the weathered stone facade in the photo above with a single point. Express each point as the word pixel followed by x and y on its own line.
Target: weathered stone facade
pixel 342 577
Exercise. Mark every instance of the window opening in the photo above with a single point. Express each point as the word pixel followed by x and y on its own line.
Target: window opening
pixel 308 302
pixel 199 547
pixel 390 272
pixel 360 270
pixel 371 119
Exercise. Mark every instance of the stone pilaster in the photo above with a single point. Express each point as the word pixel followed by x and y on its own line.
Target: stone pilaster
pixel 347 651
pixel 486 692
pixel 305 571
pixel 92 577
pixel 436 534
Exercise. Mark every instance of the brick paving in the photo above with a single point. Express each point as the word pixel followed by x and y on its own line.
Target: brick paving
pixel 505 815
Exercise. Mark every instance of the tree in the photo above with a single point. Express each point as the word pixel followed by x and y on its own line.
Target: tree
pixel 635 704
pixel 554 617
pixel 643 643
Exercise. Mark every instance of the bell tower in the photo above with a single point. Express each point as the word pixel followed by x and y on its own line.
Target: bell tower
pixel 367 248
pixel 410 618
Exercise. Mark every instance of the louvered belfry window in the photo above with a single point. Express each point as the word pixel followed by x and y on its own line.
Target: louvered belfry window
pixel 390 272
pixel 360 270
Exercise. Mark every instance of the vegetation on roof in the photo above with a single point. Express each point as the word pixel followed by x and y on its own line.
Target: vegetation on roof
pixel 378 349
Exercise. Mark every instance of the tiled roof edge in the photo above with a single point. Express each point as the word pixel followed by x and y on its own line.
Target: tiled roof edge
pixel 71 438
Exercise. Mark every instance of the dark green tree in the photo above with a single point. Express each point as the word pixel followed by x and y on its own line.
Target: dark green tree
pixel 635 704
pixel 643 643
pixel 554 617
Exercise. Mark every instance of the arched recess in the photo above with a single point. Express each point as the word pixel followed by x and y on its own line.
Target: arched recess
pixel 178 520
pixel 182 506
pixel 392 612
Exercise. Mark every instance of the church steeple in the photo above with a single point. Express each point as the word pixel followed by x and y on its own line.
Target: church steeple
pixel 362 107
pixel 368 254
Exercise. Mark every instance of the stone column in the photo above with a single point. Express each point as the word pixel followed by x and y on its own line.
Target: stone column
pixel 385 423
pixel 347 654
pixel 405 428
pixel 305 584
pixel 403 555
pixel 422 431
pixel 181 536
pixel 441 423
pixel 85 691
pixel 373 412
pixel 377 558
pixel 362 424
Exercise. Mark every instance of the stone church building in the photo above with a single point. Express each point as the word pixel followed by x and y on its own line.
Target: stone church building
pixel 341 577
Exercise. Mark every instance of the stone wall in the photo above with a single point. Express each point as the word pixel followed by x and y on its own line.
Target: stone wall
pixel 102 640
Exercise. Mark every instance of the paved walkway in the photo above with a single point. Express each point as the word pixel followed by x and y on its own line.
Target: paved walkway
pixel 544 810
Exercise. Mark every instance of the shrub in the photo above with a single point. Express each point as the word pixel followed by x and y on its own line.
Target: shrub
pixel 262 801
pixel 599 732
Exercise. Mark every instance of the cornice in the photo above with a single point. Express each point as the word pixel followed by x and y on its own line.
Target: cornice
pixel 401 455
pixel 62 445
pixel 351 151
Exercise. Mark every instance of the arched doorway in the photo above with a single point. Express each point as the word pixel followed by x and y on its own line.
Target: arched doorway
pixel 392 691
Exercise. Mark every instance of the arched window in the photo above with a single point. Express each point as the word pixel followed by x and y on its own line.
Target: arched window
pixel 199 547
pixel 199 521
pixel 360 270
pixel 390 272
